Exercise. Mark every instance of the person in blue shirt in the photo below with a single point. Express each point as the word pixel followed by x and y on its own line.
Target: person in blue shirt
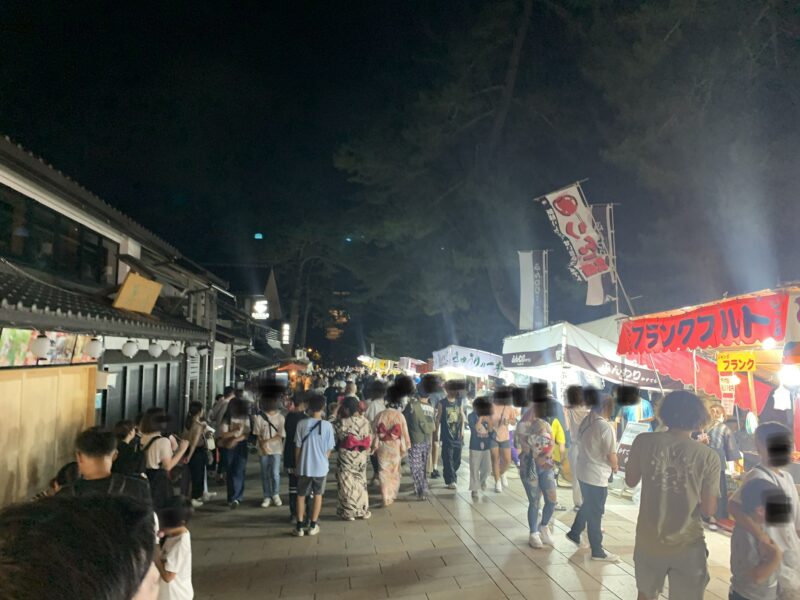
pixel 314 441
pixel 641 412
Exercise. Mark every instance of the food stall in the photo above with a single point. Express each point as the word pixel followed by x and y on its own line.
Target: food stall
pixel 382 366
pixel 743 351
pixel 481 369
pixel 564 354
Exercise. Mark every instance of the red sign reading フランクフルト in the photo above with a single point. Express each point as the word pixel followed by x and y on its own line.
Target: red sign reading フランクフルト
pixel 732 322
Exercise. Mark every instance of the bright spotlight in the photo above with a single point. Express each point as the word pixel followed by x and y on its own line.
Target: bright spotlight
pixel 769 344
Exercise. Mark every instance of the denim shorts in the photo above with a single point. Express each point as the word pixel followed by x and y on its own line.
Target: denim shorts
pixel 504 444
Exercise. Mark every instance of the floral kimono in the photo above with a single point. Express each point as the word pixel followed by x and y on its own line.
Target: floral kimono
pixel 353 436
pixel 392 444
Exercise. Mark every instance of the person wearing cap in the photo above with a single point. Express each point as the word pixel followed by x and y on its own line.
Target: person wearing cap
pixel 597 461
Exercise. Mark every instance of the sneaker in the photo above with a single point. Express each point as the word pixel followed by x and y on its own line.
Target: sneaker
pixel 609 557
pixel 207 496
pixel 233 505
pixel 266 503
pixel 349 518
pixel 504 480
pixel 435 474
pixel 483 485
pixel 276 500
pixel 366 515
pixel 474 495
pixel 451 486
pixel 544 534
pixel 298 532
pixel 423 498
pixel 313 530
pixel 535 541
pixel 498 487
pixel 197 503
pixel 573 538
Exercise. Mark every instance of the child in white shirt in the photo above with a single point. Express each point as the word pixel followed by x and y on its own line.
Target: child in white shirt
pixel 174 562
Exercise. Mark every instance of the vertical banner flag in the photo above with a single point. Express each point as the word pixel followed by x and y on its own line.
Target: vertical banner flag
pixel 533 296
pixel 526 291
pixel 541 310
pixel 573 221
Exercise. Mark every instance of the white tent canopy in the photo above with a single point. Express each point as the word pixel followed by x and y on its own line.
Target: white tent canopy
pixel 467 361
pixel 589 348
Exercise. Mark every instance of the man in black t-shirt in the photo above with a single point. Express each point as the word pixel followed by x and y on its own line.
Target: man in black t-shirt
pixel 290 427
pixel 95 450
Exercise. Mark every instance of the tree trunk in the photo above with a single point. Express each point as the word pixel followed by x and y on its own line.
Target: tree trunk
pixel 510 81
pixel 304 324
pixel 496 278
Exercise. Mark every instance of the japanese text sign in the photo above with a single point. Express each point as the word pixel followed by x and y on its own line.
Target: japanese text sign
pixel 736 362
pixel 572 219
pixel 733 322
pixel 467 360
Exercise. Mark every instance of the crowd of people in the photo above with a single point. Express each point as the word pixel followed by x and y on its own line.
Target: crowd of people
pixel 123 480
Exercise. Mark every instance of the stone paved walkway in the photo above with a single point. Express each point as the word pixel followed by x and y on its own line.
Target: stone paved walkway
pixel 449 548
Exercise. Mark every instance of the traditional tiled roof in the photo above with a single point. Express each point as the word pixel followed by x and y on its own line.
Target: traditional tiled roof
pixel 37 170
pixel 28 303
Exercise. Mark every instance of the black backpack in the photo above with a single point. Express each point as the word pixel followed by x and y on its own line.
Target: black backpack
pixel 160 485
pixel 130 460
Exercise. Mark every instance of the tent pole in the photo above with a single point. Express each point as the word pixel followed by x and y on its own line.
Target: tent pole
pixel 751 387
pixel 694 368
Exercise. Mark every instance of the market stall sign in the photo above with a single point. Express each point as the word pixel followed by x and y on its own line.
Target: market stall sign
pixel 626 441
pixel 733 322
pixel 736 362
pixel 468 360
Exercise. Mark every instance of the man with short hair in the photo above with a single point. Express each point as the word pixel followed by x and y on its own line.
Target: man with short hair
pixel 449 423
pixel 680 484
pixel 597 461
pixel 314 441
pixel 95 450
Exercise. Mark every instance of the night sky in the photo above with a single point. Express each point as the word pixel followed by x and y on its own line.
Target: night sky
pixel 207 124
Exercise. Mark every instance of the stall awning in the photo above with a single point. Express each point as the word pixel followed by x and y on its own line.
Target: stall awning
pixel 743 320
pixel 468 361
pixel 681 343
pixel 590 347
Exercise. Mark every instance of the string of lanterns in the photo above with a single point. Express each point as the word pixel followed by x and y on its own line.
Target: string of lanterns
pixel 42 347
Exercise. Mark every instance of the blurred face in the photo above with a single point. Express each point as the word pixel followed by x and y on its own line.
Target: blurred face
pixel 716 413
pixel 149 588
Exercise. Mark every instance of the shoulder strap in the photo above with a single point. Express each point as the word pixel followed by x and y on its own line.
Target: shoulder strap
pixel 317 426
pixel 120 481
pixel 772 475
pixel 151 442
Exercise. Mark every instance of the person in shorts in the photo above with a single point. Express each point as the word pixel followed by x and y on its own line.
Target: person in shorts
pixel 680 485
pixel 314 441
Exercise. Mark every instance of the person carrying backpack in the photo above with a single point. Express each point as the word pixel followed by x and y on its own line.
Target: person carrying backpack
pixel 419 416
pixel 159 458
pixel 95 450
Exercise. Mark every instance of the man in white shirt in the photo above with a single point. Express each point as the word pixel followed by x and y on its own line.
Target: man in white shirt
pixel 597 460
